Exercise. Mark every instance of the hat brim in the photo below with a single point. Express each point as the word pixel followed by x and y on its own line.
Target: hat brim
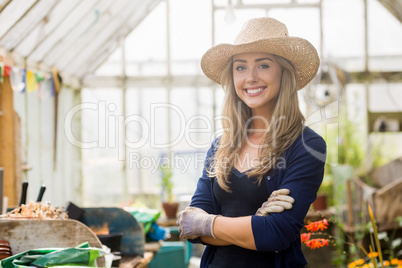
pixel 300 52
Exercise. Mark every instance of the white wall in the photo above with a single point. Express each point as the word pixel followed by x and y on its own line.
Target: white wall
pixel 54 161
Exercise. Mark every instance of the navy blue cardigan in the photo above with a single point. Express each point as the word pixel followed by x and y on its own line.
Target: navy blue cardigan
pixel 300 170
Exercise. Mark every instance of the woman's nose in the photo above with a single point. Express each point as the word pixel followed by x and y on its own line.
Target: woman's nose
pixel 252 76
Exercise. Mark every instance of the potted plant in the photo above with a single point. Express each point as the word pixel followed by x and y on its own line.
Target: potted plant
pixel 169 206
pixel 324 194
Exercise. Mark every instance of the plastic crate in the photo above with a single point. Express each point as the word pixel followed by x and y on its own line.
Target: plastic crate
pixel 170 255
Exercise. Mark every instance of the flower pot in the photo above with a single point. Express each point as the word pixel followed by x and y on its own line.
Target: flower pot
pixel 170 209
pixel 321 202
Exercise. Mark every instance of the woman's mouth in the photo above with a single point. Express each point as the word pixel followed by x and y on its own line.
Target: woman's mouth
pixel 254 91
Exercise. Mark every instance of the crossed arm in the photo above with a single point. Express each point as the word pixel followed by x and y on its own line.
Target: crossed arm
pixel 304 173
pixel 222 231
pixel 231 231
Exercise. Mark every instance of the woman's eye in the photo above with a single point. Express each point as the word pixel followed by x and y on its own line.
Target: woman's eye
pixel 240 68
pixel 264 66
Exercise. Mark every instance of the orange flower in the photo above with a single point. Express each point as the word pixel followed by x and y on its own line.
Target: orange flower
pixel 317 225
pixel 305 237
pixel 317 243
pixel 360 261
pixel 356 263
pixel 372 254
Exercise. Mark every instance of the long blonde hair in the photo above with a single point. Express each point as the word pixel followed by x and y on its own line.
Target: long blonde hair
pixel 285 126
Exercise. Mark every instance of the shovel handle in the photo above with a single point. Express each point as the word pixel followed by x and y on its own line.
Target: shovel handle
pixel 23 199
pixel 41 192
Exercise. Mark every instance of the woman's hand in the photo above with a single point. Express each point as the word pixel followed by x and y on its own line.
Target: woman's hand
pixel 194 222
pixel 277 202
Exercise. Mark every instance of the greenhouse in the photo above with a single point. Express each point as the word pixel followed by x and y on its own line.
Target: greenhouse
pixel 110 112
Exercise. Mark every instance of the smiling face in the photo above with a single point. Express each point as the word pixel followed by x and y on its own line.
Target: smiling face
pixel 257 80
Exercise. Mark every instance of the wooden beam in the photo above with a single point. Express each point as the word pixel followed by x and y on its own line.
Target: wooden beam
pixel 7 141
pixel 394 7
pixel 93 81
pixel 373 77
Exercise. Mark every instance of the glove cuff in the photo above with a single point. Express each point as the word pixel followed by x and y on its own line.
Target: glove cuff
pixel 212 225
pixel 204 225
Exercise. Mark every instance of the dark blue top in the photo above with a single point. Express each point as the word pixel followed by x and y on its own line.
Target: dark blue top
pixel 301 170
pixel 239 202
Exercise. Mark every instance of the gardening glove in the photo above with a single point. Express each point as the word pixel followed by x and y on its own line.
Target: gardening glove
pixel 277 202
pixel 194 222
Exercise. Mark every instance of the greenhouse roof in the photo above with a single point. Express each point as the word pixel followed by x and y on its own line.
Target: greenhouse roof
pixel 75 36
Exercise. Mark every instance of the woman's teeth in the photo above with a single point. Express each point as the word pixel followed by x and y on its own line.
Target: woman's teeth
pixel 255 90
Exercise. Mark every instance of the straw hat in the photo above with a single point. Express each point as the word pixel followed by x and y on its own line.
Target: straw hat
pixel 265 35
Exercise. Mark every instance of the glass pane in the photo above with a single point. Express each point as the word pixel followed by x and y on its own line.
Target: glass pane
pixel 145 53
pixel 385 39
pixel 143 46
pixel 219 96
pixel 150 68
pixel 153 129
pixel 190 23
pixel 192 127
pixel 102 168
pixel 225 32
pixel 133 107
pixel 139 59
pixel 385 97
pixel 207 120
pixel 343 28
pixel 223 2
pixel 181 113
pixel 112 66
pixel 301 22
pixel 190 67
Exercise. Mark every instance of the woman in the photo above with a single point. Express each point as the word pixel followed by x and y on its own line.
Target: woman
pixel 265 150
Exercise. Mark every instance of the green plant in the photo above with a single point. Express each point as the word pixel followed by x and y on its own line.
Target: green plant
pixel 326 187
pixel 350 144
pixel 166 183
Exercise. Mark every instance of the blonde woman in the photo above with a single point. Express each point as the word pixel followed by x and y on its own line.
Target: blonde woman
pixel 263 173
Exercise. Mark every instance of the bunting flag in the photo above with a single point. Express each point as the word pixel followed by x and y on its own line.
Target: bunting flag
pixel 1 72
pixel 7 70
pixel 56 79
pixel 27 80
pixel 39 77
pixel 16 79
pixel 52 91
pixel 30 81
pixel 23 74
